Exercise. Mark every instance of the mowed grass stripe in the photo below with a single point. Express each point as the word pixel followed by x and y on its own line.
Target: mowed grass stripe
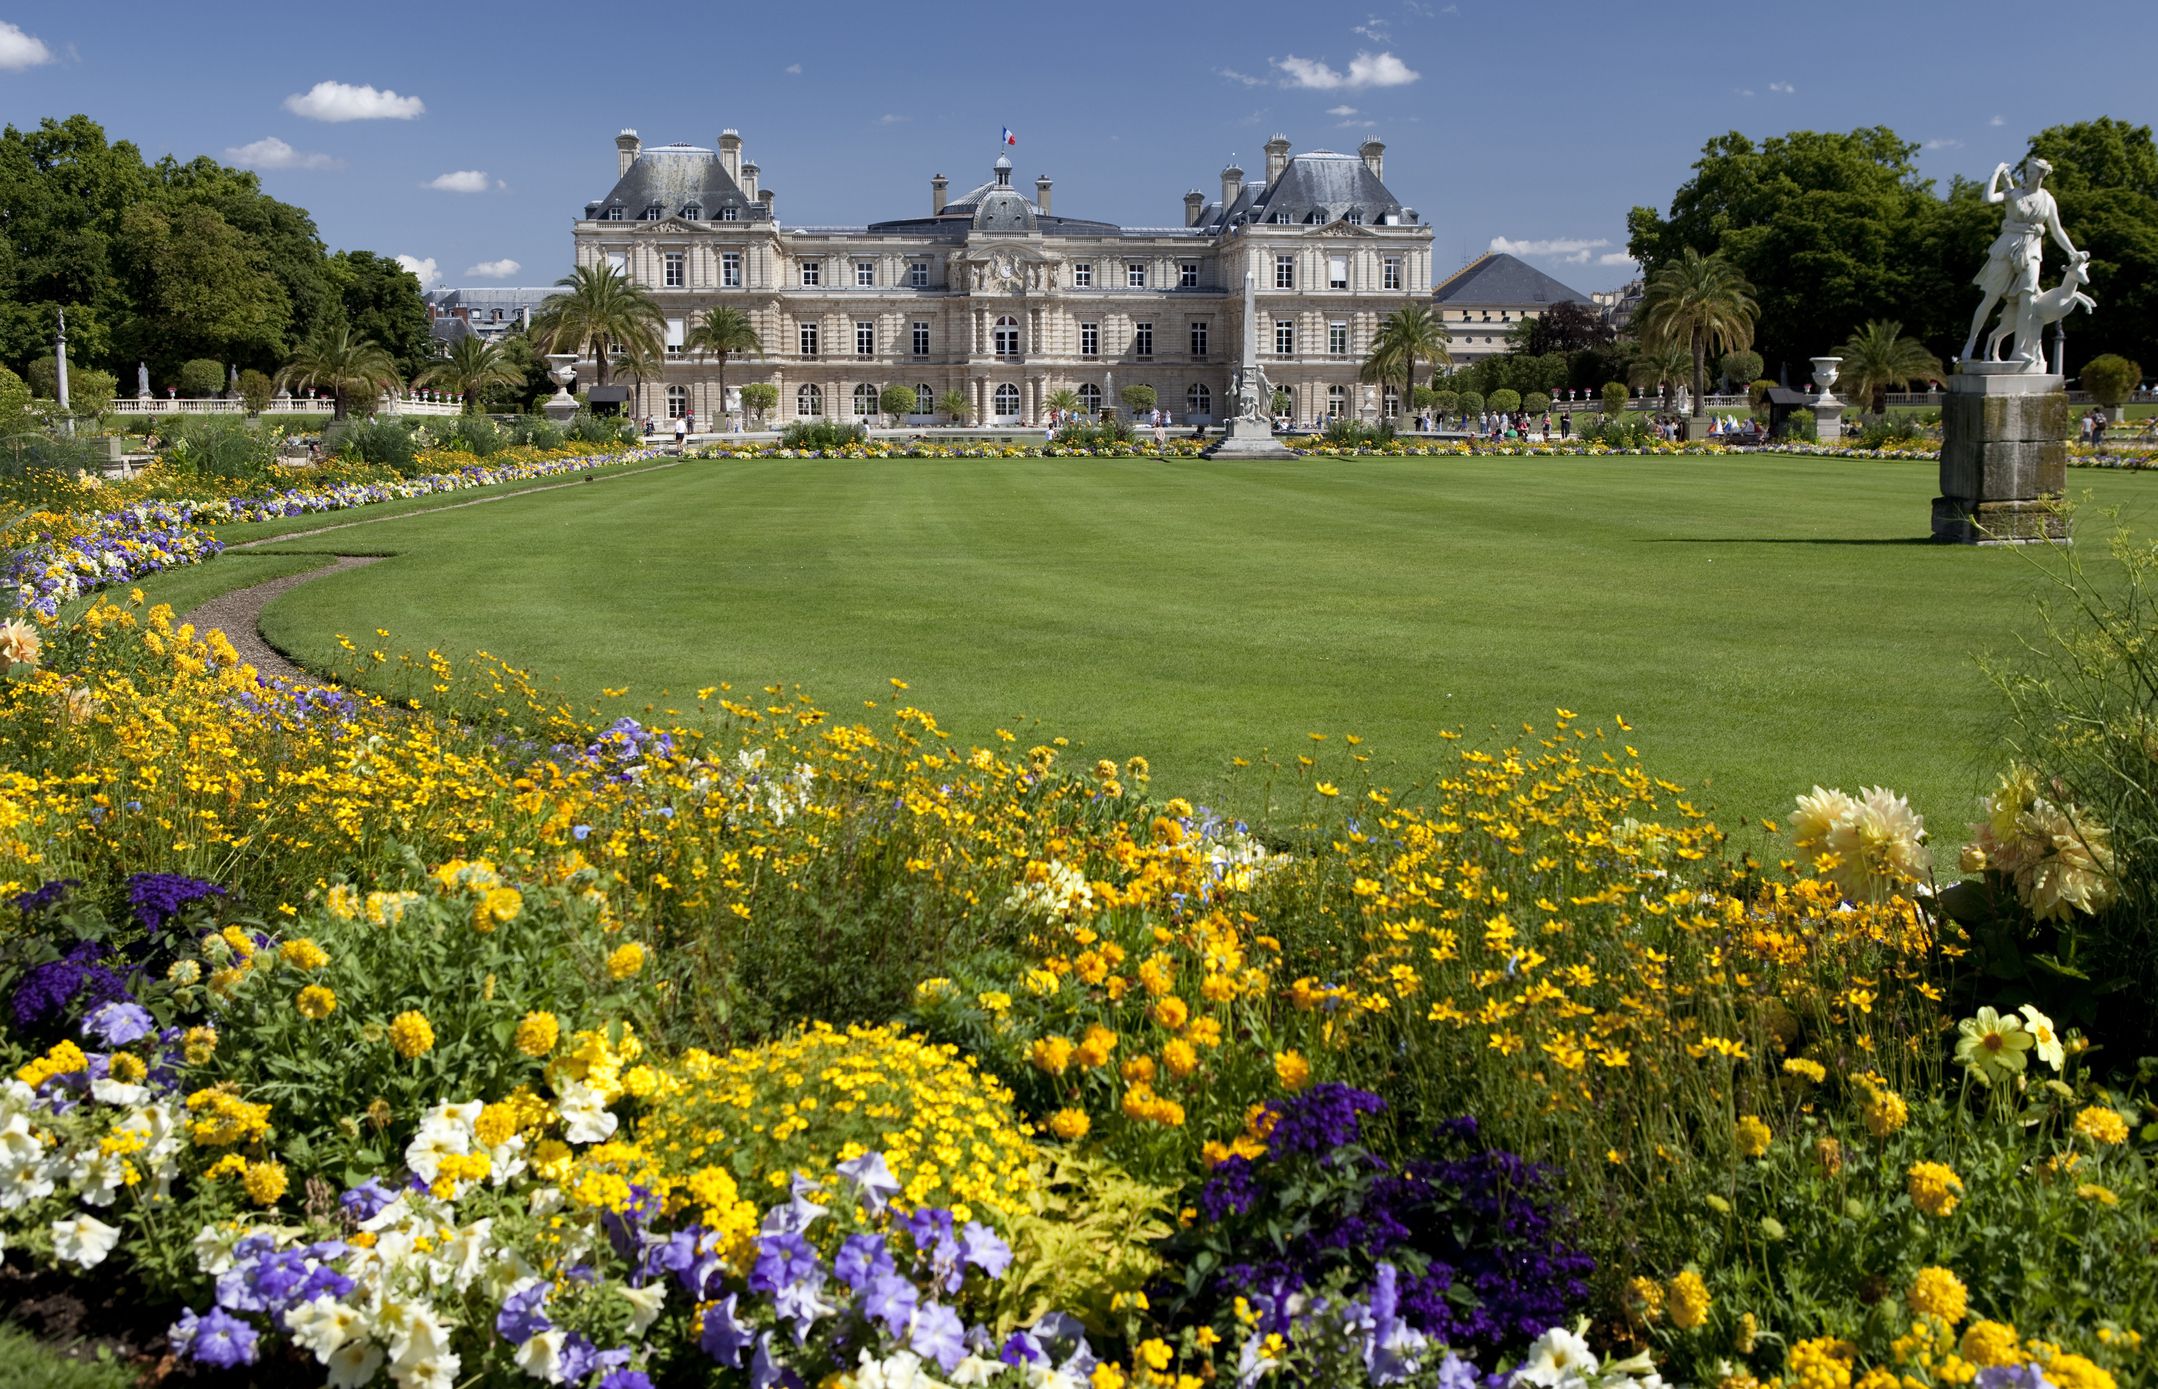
pixel 1766 622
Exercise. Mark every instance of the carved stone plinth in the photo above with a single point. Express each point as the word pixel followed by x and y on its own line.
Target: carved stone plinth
pixel 1249 439
pixel 2004 457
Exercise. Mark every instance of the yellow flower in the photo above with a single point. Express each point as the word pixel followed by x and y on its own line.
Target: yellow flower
pixel 1992 1046
pixel 1644 1299
pixel 1805 1069
pixel 2103 1126
pixel 1071 1125
pixel 1292 1070
pixel 1179 1057
pixel 1171 1012
pixel 1095 1047
pixel 198 1045
pixel 1987 1343
pixel 1156 1354
pixel 1829 1153
pixel 1934 1188
pixel 2091 1191
pixel 265 1182
pixel 538 1033
pixel 1751 1135
pixel 315 1002
pixel 411 1035
pixel 1821 1363
pixel 626 961
pixel 1884 1111
pixel 1051 1054
pixel 1689 1300
pixel 303 954
pixel 2077 1372
pixel 1937 1292
pixel 498 906
pixel 994 1001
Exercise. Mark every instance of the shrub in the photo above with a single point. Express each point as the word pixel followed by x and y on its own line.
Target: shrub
pixel 257 390
pixel 473 434
pixel 221 447
pixel 1890 429
pixel 1799 425
pixel 1139 400
pixel 588 428
pixel 1614 397
pixel 1740 366
pixel 1536 402
pixel 1348 433
pixel 823 434
pixel 89 391
pixel 897 402
pixel 1094 434
pixel 384 441
pixel 1505 400
pixel 1446 402
pixel 14 402
pixel 1472 403
pixel 537 431
pixel 1627 431
pixel 2111 379
pixel 758 398
pixel 200 376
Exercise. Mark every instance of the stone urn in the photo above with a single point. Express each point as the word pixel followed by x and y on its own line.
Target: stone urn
pixel 562 366
pixel 1827 411
pixel 1825 371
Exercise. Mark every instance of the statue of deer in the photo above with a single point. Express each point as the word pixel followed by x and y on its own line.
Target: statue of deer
pixel 2042 311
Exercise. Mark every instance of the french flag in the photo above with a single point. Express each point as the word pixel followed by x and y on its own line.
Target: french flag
pixel 1009 138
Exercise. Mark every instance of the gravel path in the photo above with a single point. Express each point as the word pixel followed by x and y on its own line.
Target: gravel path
pixel 238 615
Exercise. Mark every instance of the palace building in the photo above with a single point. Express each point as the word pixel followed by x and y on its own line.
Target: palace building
pixel 996 295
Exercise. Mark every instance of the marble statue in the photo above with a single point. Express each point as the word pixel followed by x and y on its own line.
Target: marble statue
pixel 2010 276
pixel 1254 392
pixel 142 381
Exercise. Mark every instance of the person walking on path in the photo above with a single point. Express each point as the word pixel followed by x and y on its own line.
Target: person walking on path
pixel 681 434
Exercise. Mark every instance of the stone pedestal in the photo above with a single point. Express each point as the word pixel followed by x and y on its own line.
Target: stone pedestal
pixel 1249 439
pixel 559 407
pixel 2004 457
pixel 1828 420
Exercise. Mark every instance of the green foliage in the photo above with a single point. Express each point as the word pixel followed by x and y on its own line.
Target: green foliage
pixel 1757 395
pixel 382 302
pixel 1348 433
pixel 200 376
pixel 34 1365
pixel 39 468
pixel 1137 399
pixel 1739 367
pixel 1614 397
pixel 1878 358
pixel 823 434
pixel 588 428
pixel 1799 426
pixel 14 402
pixel 1094 434
pixel 221 447
pixel 1701 302
pixel 600 312
pixel 896 401
pixel 472 367
pixel 353 369
pixel 1619 430
pixel 1536 402
pixel 1445 402
pixel 89 391
pixel 473 434
pixel 1282 402
pixel 382 441
pixel 1472 403
pixel 758 398
pixel 538 431
pixel 2111 379
pixel 1088 1234
pixel 1889 430
pixel 955 406
pixel 256 391
pixel 2105 177
pixel 1506 400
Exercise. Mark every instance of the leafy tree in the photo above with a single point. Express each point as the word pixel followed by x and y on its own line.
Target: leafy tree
pixel 758 398
pixel 473 367
pixel 532 384
pixel 1739 366
pixel 955 406
pixel 197 282
pixel 14 402
pixel 1702 301
pixel 199 377
pixel 724 332
pixel 346 366
pixel 1564 327
pixel 1407 337
pixel 384 303
pixel 1281 403
pixel 1536 402
pixel 1614 397
pixel 2105 177
pixel 1505 400
pixel 90 391
pixel 1472 403
pixel 1137 399
pixel 598 312
pixel 1878 358
pixel 1660 367
pixel 2110 379
pixel 1445 402
pixel 897 402
pixel 256 391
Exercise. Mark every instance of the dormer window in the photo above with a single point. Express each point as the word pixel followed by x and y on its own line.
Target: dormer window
pixel 729 213
pixel 1355 217
pixel 1316 217
pixel 652 213
pixel 614 214
pixel 1279 219
pixel 693 213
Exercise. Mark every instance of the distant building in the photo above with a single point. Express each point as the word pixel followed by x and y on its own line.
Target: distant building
pixel 1484 301
pixel 490 313
pixel 996 296
pixel 1619 305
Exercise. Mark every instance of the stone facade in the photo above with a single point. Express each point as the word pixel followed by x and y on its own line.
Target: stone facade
pixel 994 295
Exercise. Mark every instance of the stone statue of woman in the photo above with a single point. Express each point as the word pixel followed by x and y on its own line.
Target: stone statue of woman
pixel 2010 276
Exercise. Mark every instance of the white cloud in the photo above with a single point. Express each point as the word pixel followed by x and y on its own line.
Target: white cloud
pixel 1341 111
pixel 1614 258
pixel 1743 91
pixel 1373 28
pixel 892 118
pixel 460 181
pixel 273 153
pixel 1231 74
pixel 792 69
pixel 492 269
pixel 19 50
pixel 1943 144
pixel 343 101
pixel 1998 121
pixel 1574 248
pixel 1783 87
pixel 426 269
pixel 1365 70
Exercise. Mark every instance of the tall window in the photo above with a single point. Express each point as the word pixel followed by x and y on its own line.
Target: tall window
pixel 865 400
pixel 812 272
pixel 1285 272
pixel 730 269
pixel 865 339
pixel 1135 274
pixel 1006 335
pixel 1285 337
pixel 925 401
pixel 674 337
pixel 1337 272
pixel 672 268
pixel 1337 339
pixel 1007 399
pixel 1083 275
pixel 865 273
pixel 921 339
pixel 918 277
pixel 1390 401
pixel 809 401
pixel 1187 274
pixel 1337 401
pixel 1198 339
pixel 677 402
pixel 1090 339
pixel 1090 398
pixel 1142 339
pixel 693 212
pixel 1198 401
pixel 1390 273
pixel 808 335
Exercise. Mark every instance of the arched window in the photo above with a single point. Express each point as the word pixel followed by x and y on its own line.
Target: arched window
pixel 809 401
pixel 694 212
pixel 1007 400
pixel 865 400
pixel 1090 398
pixel 925 401
pixel 1199 401
pixel 1007 336
pixel 677 402
pixel 1337 401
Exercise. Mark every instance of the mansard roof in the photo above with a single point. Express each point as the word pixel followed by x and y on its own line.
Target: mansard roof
pixel 1496 278
pixel 1317 187
pixel 670 178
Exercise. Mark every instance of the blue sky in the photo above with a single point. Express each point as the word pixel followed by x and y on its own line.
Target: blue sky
pixel 467 135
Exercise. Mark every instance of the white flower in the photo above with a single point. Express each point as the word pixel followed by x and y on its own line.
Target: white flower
pixel 434 1370
pixel 465 1251
pixel 436 1140
pixel 353 1364
pixel 324 1325
pixel 85 1240
pixel 2047 1042
pixel 541 1356
pixel 118 1092
pixel 585 1117
pixel 645 1304
pixel 1559 1359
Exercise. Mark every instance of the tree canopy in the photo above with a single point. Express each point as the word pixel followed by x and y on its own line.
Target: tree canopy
pixel 166 262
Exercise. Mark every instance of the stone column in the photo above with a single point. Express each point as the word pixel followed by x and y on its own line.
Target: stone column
pixel 2004 457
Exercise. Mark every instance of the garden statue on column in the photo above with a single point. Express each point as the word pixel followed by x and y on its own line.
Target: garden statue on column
pixel 2010 276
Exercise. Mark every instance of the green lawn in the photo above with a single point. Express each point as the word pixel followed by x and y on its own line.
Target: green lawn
pixel 1764 623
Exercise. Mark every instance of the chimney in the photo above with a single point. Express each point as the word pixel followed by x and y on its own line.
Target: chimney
pixel 1232 183
pixel 1041 193
pixel 626 148
pixel 1194 204
pixel 749 180
pixel 1374 152
pixel 765 196
pixel 1277 157
pixel 730 153
pixel 937 187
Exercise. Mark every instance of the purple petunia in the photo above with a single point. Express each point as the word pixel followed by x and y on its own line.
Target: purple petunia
pixel 939 1335
pixel 626 1379
pixel 892 1300
pixel 118 1023
pixel 783 1260
pixel 522 1316
pixel 218 1338
pixel 724 1336
pixel 872 1180
pixel 980 1246
pixel 860 1259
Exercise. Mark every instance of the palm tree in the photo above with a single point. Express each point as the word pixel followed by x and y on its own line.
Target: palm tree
pixel 600 312
pixel 1407 336
pixel 1878 359
pixel 1064 400
pixel 473 365
pixel 1657 368
pixel 1702 302
pixel 723 333
pixel 640 362
pixel 336 361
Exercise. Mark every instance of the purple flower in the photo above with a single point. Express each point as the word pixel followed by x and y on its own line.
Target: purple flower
pixel 691 1255
pixel 158 897
pixel 929 1226
pixel 892 1300
pixel 798 1214
pixel 38 899
pixel 939 1335
pixel 626 1379
pixel 764 1371
pixel 1020 1348
pixel 117 1024
pixel 2013 1377
pixel 47 990
pixel 783 1260
pixel 1456 1373
pixel 521 1317
pixel 979 1246
pixel 872 1179
pixel 860 1259
pixel 723 1336
pixel 221 1339
pixel 365 1201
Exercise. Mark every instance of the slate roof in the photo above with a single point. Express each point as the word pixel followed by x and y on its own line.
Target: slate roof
pixel 672 177
pixel 1496 278
pixel 1317 187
